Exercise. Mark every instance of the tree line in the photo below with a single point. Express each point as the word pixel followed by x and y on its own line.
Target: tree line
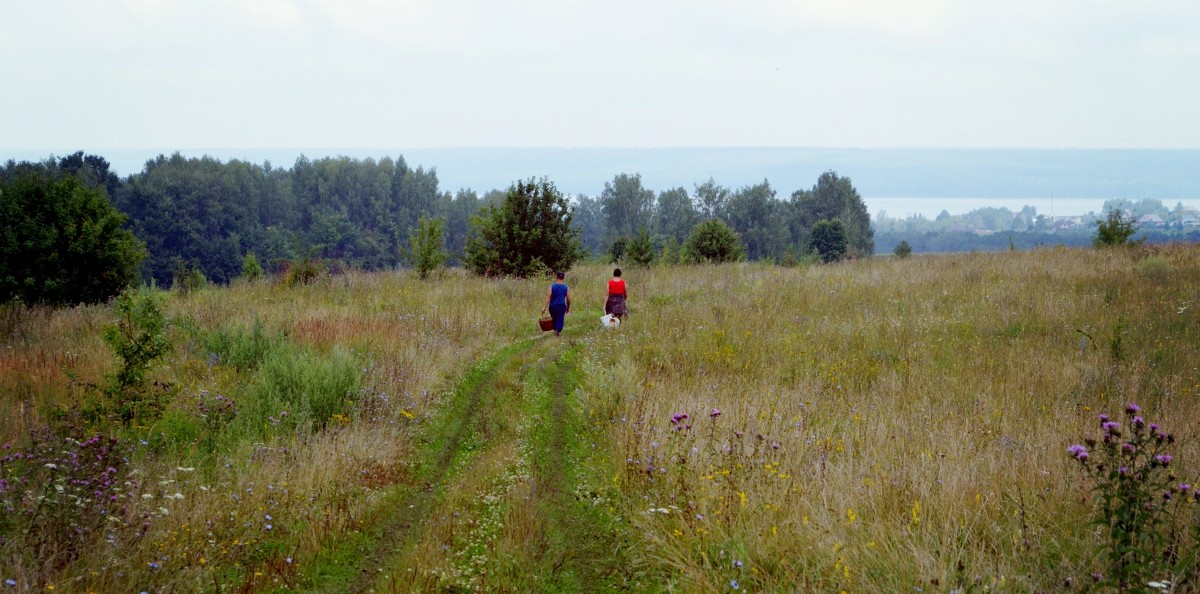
pixel 204 216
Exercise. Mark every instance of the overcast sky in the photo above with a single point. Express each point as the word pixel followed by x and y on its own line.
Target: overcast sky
pixel 131 74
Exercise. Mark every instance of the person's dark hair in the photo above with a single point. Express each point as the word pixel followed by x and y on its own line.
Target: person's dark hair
pixel 617 272
pixel 559 275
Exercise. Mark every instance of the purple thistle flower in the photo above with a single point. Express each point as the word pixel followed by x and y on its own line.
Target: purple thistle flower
pixel 1128 448
pixel 1078 452
pixel 1163 459
pixel 1103 418
pixel 1111 427
pixel 716 412
pixel 1123 471
pixel 1139 422
pixel 1184 487
pixel 1132 409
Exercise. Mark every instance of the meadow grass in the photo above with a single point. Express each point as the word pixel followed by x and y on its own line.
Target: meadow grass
pixel 878 425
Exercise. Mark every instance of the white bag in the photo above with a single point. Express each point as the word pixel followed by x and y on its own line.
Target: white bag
pixel 610 321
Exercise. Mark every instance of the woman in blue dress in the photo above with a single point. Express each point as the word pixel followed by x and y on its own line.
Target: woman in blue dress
pixel 558 302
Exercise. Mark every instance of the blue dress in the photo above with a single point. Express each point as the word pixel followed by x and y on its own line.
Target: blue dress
pixel 558 305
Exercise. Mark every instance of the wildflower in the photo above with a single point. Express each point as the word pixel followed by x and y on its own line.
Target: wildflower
pixel 716 412
pixel 1163 459
pixel 735 585
pixel 1103 418
pixel 1132 409
pixel 1123 471
pixel 1111 428
pixel 1139 422
pixel 268 526
pixel 10 581
pixel 737 564
pixel 154 565
pixel 1128 448
pixel 1078 452
pixel 1184 487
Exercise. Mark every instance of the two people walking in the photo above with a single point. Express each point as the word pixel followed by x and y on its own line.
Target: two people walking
pixel 558 299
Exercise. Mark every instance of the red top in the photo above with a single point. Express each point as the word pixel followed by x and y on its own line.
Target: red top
pixel 616 286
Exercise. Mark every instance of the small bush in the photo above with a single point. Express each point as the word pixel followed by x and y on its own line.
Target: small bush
pixel 640 250
pixel 902 249
pixel 428 246
pixel 188 278
pixel 304 271
pixel 1155 268
pixel 1115 230
pixel 712 242
pixel 242 349
pixel 298 390
pixel 251 269
pixel 138 339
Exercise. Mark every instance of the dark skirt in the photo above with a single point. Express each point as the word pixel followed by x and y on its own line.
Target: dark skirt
pixel 615 305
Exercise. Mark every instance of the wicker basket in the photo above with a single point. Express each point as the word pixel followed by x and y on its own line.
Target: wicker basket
pixel 546 324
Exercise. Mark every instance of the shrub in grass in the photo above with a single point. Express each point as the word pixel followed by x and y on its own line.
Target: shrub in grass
pixel 242 349
pixel 296 389
pixel 138 339
pixel 1115 229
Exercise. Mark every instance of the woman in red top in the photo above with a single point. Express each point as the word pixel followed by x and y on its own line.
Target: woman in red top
pixel 615 304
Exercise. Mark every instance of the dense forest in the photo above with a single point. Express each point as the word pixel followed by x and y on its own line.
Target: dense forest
pixel 203 215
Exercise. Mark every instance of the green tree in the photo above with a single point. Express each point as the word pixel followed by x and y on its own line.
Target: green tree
pixel 640 250
pixel 62 242
pixel 712 241
pixel 903 250
pixel 528 234
pixel 616 251
pixel 251 269
pixel 754 213
pixel 589 219
pixel 711 199
pixel 829 239
pixel 428 246
pixel 1114 229
pixel 834 197
pixel 626 205
pixel 138 339
pixel 675 215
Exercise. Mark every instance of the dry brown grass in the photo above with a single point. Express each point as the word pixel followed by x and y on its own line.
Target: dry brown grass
pixel 903 422
pixel 921 409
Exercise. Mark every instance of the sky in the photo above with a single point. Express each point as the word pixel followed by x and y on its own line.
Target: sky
pixel 131 74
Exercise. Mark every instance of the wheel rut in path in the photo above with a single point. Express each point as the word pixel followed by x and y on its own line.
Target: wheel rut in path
pixel 400 517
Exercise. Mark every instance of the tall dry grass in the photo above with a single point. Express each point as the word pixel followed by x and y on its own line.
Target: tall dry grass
pixel 248 513
pixel 889 424
pixel 883 425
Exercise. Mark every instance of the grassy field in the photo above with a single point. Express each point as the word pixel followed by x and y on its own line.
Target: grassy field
pixel 882 425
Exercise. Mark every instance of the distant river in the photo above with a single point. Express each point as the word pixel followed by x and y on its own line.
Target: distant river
pixel 899 208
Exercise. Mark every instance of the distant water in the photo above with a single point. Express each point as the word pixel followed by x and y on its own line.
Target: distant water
pixel 901 182
pixel 930 208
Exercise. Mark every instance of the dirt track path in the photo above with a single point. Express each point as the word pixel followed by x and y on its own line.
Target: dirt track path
pixel 506 496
